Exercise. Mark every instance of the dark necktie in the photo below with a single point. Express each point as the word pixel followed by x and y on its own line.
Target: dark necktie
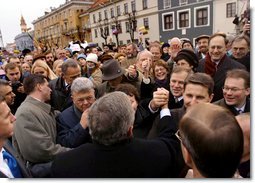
pixel 240 111
pixel 12 164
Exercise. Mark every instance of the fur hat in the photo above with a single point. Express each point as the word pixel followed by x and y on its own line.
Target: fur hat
pixel 187 55
pixel 92 57
pixel 165 45
pixel 111 70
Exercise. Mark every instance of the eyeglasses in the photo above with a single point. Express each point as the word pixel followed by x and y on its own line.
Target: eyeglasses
pixel 226 89
pixel 177 134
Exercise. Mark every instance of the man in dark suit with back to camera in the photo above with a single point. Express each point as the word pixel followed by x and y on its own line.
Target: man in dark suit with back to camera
pixel 114 152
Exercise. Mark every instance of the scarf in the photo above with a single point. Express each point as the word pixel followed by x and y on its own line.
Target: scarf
pixel 210 66
pixel 161 83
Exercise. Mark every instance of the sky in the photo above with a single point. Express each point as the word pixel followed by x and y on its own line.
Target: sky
pixel 11 11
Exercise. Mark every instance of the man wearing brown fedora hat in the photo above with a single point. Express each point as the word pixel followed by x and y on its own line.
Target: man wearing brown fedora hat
pixel 113 75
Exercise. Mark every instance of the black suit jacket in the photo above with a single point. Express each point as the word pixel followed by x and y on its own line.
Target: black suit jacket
pixel 220 75
pixel 232 109
pixel 25 173
pixel 133 158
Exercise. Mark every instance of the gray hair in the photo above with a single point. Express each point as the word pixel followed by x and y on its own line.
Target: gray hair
pixel 110 117
pixel 144 52
pixel 69 63
pixel 82 84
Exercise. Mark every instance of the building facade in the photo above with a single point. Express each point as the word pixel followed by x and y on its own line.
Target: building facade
pixel 185 18
pixel 61 25
pixel 25 39
pixel 230 9
pixel 119 21
pixel 191 18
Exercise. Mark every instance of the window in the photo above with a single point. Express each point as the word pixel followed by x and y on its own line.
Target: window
pixel 118 10
pixel 183 2
pixel 112 13
pixel 126 8
pixel 146 23
pixel 168 21
pixel 96 33
pixel 99 16
pixel 167 4
pixel 202 16
pixel 145 4
pixel 106 30
pixel 127 26
pixel 105 14
pixel 183 19
pixel 133 8
pixel 231 9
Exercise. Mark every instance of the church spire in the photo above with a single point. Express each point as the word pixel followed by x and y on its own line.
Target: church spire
pixel 1 40
pixel 23 24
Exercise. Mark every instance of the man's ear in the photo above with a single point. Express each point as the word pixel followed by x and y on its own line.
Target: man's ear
pixel 186 156
pixel 130 131
pixel 211 97
pixel 39 86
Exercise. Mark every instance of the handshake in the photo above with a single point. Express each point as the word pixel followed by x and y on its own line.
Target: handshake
pixel 160 99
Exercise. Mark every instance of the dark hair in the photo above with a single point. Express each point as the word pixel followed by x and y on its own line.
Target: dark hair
pixel 129 89
pixel 213 138
pixel 187 41
pixel 202 79
pixel 240 74
pixel 31 81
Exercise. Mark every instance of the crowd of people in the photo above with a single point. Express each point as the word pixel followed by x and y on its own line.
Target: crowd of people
pixel 173 109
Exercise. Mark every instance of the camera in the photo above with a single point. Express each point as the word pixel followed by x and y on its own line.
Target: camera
pixel 16 85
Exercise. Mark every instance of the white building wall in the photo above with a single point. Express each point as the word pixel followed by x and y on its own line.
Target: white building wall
pixel 220 20
pixel 151 13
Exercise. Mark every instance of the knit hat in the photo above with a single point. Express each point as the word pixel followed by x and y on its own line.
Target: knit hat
pixel 187 55
pixel 92 57
pixel 81 56
pixel 111 70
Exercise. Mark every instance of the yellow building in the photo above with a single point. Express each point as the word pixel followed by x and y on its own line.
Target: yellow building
pixel 61 25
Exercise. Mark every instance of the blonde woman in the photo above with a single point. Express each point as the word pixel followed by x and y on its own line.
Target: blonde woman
pixel 41 67
pixel 57 67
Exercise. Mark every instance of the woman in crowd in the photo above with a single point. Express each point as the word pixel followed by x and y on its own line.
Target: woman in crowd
pixel 41 67
pixel 93 71
pixel 160 78
pixel 57 67
pixel 187 58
